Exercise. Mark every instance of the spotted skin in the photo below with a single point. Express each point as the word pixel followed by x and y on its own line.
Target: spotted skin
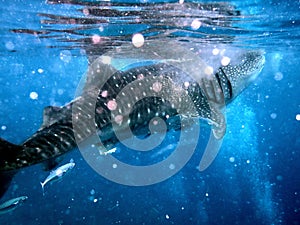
pixel 159 90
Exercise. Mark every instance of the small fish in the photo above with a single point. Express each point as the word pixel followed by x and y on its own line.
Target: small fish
pixel 58 173
pixel 104 152
pixel 11 204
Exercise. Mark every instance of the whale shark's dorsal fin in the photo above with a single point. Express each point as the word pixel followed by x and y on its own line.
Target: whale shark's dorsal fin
pixel 98 72
pixel 50 115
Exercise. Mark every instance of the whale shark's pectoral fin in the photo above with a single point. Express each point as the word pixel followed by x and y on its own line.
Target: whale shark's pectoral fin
pixel 215 97
pixel 212 149
pixel 218 122
pixel 216 101
pixel 99 72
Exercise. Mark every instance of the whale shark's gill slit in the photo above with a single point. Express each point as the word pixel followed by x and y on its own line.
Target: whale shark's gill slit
pixel 229 86
pixel 51 144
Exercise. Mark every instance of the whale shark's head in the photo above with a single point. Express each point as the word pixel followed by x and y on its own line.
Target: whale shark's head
pixel 241 74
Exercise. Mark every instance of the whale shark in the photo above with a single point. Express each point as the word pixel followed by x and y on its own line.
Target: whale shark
pixel 161 88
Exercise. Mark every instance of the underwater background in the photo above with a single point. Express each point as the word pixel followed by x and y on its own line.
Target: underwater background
pixel 254 179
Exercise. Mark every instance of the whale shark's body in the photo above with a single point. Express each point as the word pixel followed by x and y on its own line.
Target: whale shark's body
pixel 63 128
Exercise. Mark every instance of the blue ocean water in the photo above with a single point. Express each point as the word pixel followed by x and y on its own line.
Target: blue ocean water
pixel 255 177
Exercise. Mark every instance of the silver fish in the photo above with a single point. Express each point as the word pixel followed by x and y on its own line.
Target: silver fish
pixel 58 173
pixel 12 204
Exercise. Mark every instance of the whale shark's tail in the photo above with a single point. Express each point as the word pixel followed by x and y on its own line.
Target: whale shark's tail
pixel 8 153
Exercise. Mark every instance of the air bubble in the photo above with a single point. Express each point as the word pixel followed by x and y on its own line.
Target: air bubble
pixel 157 86
pixel 215 51
pixel 40 70
pixel 138 40
pixel 196 24
pixel 96 39
pixel 186 84
pixel 101 28
pixel 225 61
pixel 112 105
pixel 104 94
pixel 33 95
pixel 119 119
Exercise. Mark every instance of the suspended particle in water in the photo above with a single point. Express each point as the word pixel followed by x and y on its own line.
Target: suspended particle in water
pixel 279 177
pixel 67 212
pixel 278 76
pixel 298 117
pixel 60 91
pixel 167 216
pixel 3 127
pixel 273 115
pixel 171 166
pixel 101 28
pixel 231 159
pixel 9 46
pixel 40 70
pixel 33 95
pixel 138 40
pixel 65 56
pixel 181 1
